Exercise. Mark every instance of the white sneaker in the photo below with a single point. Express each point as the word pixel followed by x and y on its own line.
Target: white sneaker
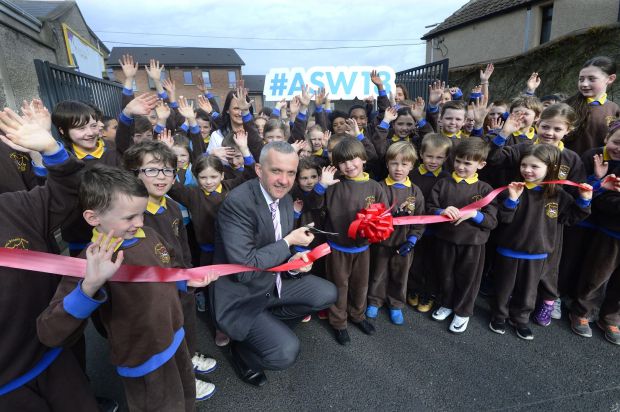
pixel 442 313
pixel 459 324
pixel 204 390
pixel 202 364
pixel 557 309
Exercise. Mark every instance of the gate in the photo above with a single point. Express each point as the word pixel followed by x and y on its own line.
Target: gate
pixel 57 83
pixel 417 79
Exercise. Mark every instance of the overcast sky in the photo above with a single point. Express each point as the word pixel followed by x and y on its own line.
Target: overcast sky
pixel 295 24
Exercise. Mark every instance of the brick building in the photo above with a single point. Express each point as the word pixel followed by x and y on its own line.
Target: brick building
pixel 220 69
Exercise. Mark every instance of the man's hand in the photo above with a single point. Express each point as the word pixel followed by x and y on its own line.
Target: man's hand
pixel 299 237
pixel 303 256
pixel 206 279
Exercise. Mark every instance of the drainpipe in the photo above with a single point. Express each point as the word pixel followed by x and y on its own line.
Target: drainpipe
pixel 526 35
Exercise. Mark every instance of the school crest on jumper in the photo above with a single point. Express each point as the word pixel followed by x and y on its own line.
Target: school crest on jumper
pixel 609 119
pixel 410 204
pixel 175 227
pixel 17 243
pixel 21 161
pixel 162 253
pixel 369 201
pixel 475 198
pixel 551 210
pixel 563 172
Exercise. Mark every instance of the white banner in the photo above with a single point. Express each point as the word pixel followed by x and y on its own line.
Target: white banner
pixel 340 82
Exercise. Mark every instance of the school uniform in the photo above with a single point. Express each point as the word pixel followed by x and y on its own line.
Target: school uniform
pixel 521 257
pixel 389 270
pixel 600 275
pixel 349 263
pixel 16 170
pixel 27 219
pixel 422 276
pixel 204 206
pixel 310 215
pixel 459 250
pixel 600 113
pixel 144 324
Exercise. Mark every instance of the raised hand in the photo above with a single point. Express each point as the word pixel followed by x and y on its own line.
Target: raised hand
pixel 376 79
pixel 280 104
pixel 154 70
pixel 601 167
pixel 170 87
pixel 141 105
pixel 298 145
pixel 515 189
pixel 304 99
pixel 223 153
pixel 496 123
pixel 36 112
pixel 242 99
pixel 99 265
pixel 390 115
pixel 166 137
pixel 326 135
pixel 479 109
pixel 327 176
pixel 435 92
pixel 163 111
pixel 417 109
pixel 25 135
pixel 353 129
pixel 320 96
pixel 512 124
pixel 294 106
pixel 200 85
pixel 186 109
pixel 486 73
pixel 241 139
pixel 130 68
pixel 533 82
pixel 204 104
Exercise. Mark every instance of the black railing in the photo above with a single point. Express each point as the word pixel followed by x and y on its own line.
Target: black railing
pixel 57 83
pixel 417 79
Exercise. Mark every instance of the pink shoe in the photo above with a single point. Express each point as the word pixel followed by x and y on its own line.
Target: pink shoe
pixel 307 319
pixel 221 339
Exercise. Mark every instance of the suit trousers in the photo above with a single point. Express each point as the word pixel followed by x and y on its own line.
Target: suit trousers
pixel 460 271
pixel 270 343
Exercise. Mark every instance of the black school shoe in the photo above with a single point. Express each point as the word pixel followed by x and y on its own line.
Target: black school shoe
pixel 366 327
pixel 498 326
pixel 523 331
pixel 342 336
pixel 252 377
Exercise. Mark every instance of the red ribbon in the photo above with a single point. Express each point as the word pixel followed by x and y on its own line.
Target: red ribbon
pixel 76 267
pixel 373 223
pixel 430 219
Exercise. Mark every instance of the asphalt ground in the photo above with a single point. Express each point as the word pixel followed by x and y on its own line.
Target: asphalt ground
pixel 419 366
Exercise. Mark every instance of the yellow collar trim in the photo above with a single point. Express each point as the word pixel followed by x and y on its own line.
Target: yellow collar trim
pixel 318 152
pixel 606 156
pixel 185 167
pixel 529 134
pixel 456 135
pixel 361 178
pixel 390 182
pixel 139 234
pixel 559 146
pixel 217 189
pixel 206 139
pixel 423 170
pixel 602 100
pixel 97 153
pixel 397 138
pixel 531 185
pixel 153 208
pixel 470 180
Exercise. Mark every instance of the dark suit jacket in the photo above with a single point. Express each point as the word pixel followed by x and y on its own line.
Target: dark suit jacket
pixel 245 235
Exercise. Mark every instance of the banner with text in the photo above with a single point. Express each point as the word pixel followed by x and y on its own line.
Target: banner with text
pixel 340 82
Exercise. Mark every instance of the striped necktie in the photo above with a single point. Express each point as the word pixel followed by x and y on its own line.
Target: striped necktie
pixel 275 218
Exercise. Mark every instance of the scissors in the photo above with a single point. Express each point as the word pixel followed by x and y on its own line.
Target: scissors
pixel 310 228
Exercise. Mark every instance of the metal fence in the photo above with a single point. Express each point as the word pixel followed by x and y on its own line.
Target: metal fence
pixel 416 80
pixel 57 83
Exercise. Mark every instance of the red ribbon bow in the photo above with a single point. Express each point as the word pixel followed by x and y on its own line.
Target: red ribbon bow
pixel 373 223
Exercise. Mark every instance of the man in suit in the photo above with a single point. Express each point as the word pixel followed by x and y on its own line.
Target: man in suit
pixel 255 228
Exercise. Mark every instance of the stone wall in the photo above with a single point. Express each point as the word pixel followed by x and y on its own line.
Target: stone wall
pixel 557 62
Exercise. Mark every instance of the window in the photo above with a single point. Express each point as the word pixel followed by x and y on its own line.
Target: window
pixel 232 79
pixel 545 28
pixel 134 86
pixel 163 76
pixel 206 79
pixel 192 102
pixel 187 77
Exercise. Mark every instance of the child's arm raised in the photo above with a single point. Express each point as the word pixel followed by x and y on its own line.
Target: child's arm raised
pixel 64 320
pixel 499 153
pixel 130 68
pixel 383 101
pixel 198 144
pixel 255 143
pixel 153 70
pixel 298 132
pixel 510 203
pixel 435 91
pixel 141 105
pixel 485 75
pixel 532 84
pixel 379 137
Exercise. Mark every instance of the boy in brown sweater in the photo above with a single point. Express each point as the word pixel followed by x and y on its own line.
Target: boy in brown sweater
pixel 143 321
